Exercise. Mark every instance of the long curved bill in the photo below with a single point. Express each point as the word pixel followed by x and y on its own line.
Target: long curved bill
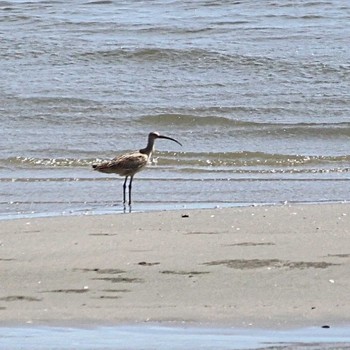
pixel 169 138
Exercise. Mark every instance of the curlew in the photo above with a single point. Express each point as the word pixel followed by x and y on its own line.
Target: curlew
pixel 131 163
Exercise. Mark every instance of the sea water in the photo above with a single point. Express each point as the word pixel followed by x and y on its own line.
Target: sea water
pixel 256 91
pixel 171 338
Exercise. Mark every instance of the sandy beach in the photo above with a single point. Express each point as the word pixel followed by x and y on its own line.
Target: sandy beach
pixel 273 266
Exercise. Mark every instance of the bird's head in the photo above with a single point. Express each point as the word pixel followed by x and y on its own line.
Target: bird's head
pixel 155 135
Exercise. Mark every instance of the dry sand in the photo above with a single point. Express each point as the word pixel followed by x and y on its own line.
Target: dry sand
pixel 281 266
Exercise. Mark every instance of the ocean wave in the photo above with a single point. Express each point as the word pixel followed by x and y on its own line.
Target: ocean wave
pixel 188 119
pixel 44 162
pixel 252 159
pixel 100 2
pixel 178 118
pixel 297 129
pixel 197 160
pixel 197 57
pixel 57 100
pixel 190 56
pixel 147 54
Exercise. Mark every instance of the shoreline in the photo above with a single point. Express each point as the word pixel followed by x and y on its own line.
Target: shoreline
pixel 231 267
pixel 117 210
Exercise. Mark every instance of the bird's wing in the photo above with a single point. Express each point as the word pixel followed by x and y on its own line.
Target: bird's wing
pixel 131 161
pixel 124 165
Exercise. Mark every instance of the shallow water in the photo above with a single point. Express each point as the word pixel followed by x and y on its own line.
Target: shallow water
pixel 155 337
pixel 257 93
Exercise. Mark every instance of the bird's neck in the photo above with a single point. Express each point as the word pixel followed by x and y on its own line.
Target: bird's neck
pixel 148 150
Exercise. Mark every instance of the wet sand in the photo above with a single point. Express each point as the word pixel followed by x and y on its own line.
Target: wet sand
pixel 275 266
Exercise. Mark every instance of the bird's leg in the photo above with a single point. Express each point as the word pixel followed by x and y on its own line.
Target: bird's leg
pixel 131 178
pixel 124 189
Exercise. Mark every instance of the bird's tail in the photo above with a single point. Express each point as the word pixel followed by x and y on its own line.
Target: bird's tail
pixel 103 167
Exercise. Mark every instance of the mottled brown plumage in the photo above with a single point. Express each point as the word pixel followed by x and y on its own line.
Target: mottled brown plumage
pixel 131 163
pixel 124 165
